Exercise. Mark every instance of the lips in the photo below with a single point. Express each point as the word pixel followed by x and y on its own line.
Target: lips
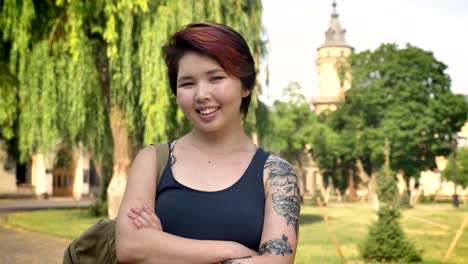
pixel 207 110
pixel 207 113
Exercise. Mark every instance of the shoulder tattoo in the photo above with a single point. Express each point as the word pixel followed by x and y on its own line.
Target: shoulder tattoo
pixel 173 157
pixel 277 246
pixel 286 198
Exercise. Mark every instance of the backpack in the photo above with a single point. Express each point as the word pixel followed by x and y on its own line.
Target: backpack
pixel 97 243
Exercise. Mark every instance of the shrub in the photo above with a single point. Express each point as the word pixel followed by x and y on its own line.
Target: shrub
pixel 98 208
pixel 386 241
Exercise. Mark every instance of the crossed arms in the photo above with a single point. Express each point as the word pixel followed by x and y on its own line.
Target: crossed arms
pixel 140 239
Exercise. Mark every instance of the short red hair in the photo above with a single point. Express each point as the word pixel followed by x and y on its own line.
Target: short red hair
pixel 220 42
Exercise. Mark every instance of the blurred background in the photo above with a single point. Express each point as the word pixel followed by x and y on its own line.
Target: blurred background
pixel 368 100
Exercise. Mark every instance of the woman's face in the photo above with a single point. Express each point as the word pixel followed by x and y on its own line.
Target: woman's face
pixel 209 97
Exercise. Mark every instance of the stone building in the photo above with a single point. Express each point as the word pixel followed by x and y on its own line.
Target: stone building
pixel 66 173
pixel 331 89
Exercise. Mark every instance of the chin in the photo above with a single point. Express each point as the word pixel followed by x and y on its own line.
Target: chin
pixel 207 128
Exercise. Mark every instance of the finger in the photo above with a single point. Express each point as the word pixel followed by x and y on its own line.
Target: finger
pixel 137 223
pixel 136 210
pixel 140 219
pixel 143 221
pixel 131 215
pixel 148 220
pixel 153 218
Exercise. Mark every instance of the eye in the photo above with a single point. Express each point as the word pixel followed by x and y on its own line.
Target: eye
pixel 217 78
pixel 186 84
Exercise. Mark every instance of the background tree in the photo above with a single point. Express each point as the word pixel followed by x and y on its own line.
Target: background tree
pixel 334 156
pixel 91 72
pixel 290 126
pixel 8 102
pixel 402 94
pixel 461 169
pixel 386 240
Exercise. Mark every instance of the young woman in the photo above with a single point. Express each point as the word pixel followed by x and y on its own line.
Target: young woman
pixel 220 198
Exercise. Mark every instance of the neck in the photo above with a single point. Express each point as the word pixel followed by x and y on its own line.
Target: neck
pixel 228 139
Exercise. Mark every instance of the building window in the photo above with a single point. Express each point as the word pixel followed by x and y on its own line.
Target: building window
pixel 85 176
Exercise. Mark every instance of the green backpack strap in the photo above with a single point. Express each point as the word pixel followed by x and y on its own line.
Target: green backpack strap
pixel 162 155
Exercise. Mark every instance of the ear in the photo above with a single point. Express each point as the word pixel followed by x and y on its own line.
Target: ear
pixel 245 92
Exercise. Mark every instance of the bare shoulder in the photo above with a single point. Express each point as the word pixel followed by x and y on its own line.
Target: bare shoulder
pixel 140 188
pixel 279 172
pixel 147 153
pixel 145 159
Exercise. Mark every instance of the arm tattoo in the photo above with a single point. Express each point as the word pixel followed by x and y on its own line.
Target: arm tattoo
pixel 233 261
pixel 286 199
pixel 276 246
pixel 173 157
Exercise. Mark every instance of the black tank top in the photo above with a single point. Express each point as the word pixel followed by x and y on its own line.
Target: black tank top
pixel 233 214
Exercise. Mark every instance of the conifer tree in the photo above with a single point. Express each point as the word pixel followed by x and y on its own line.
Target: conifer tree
pixel 386 240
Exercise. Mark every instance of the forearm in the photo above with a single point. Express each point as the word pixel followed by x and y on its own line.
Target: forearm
pixel 263 259
pixel 152 246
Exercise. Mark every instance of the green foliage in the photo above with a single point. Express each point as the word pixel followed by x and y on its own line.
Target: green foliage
pixel 403 94
pixel 64 223
pixel 290 125
pixel 426 199
pixel 98 208
pixel 387 189
pixel 332 154
pixel 85 57
pixel 8 102
pixel 386 241
pixel 461 168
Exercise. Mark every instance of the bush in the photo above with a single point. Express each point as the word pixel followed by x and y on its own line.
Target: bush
pixel 386 241
pixel 317 194
pixel 426 199
pixel 405 199
pixel 98 208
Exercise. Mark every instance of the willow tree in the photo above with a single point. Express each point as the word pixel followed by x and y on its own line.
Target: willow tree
pixel 91 72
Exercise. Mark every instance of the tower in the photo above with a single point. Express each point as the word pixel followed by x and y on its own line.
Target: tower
pixel 332 88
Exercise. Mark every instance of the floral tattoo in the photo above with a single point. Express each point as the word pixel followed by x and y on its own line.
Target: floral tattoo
pixel 286 198
pixel 276 246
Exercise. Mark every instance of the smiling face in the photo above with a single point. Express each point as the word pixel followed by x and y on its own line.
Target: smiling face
pixel 209 97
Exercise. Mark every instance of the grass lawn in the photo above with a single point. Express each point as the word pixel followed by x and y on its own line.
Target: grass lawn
pixel 431 227
pixel 64 223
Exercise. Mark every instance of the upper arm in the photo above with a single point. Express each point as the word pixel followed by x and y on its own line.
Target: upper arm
pixel 282 208
pixel 140 190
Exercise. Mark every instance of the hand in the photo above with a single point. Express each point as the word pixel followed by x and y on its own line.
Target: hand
pixel 244 260
pixel 144 218
pixel 239 251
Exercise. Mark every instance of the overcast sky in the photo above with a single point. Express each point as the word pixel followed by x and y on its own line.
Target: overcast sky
pixel 296 29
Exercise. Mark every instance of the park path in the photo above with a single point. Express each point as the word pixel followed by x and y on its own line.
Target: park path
pixel 18 246
pixel 28 247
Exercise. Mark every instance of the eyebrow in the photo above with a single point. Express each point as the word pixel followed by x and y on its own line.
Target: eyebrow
pixel 186 78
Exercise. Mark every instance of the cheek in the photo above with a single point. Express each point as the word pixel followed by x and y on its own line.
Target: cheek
pixel 229 93
pixel 184 99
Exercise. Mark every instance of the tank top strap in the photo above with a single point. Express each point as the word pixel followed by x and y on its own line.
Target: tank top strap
pixel 258 164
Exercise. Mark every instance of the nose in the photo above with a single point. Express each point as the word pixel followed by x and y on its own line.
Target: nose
pixel 202 92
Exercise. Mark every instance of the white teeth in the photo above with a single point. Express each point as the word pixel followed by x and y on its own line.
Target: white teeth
pixel 208 111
